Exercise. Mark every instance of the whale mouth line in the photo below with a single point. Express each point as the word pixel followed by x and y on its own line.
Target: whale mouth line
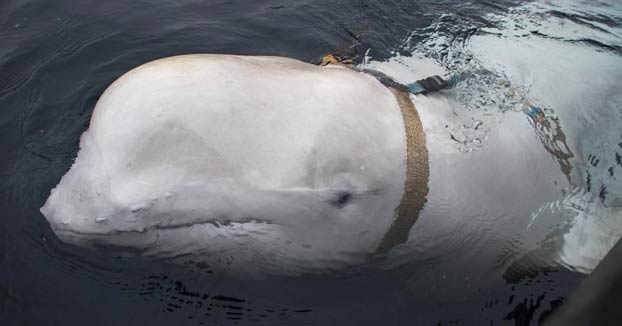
pixel 215 223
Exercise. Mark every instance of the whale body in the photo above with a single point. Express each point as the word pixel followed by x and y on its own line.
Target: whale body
pixel 245 163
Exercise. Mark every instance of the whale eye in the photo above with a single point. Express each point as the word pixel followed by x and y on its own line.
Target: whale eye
pixel 341 199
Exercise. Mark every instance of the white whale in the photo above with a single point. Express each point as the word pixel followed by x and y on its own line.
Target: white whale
pixel 248 164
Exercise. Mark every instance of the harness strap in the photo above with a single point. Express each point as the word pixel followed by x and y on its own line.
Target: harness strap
pixel 417 174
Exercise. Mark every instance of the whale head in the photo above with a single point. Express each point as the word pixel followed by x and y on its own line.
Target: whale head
pixel 244 178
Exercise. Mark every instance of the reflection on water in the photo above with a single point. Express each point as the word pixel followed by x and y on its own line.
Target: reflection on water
pixel 174 297
pixel 552 136
pixel 525 152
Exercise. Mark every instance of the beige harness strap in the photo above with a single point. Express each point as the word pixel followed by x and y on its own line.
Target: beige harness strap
pixel 417 173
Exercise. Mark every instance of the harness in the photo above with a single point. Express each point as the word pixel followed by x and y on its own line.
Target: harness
pixel 417 165
pixel 416 179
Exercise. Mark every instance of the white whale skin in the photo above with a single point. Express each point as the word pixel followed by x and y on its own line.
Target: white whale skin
pixel 249 164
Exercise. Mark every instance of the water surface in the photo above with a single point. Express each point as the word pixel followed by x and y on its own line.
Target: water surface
pixel 519 209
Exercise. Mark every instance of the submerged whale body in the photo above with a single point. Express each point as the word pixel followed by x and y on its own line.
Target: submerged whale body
pixel 244 163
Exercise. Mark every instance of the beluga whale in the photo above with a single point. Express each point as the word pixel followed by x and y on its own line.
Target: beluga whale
pixel 250 164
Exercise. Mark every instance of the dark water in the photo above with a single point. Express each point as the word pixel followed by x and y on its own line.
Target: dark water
pixel 57 57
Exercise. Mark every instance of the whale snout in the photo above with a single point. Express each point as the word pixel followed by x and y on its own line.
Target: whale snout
pixel 73 222
pixel 69 217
